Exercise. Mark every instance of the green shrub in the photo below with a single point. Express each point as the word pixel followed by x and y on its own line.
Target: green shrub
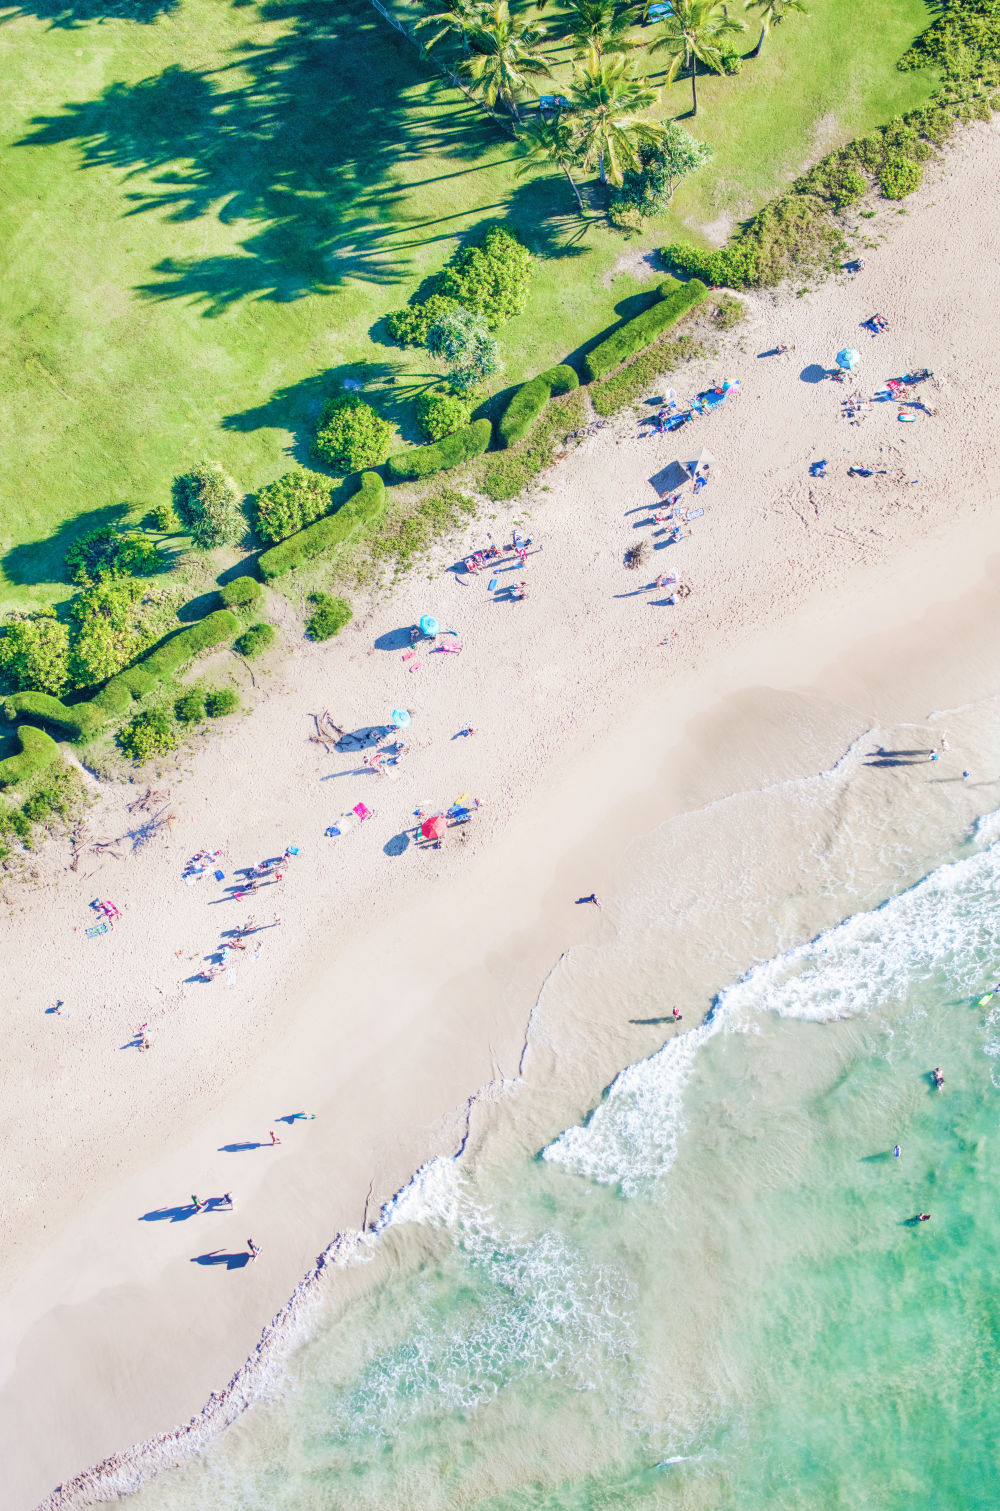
pixel 149 734
pixel 110 552
pixel 255 640
pixel 899 177
pixel 34 653
pixel 409 327
pixel 328 617
pixel 439 414
pixel 291 503
pixel 106 630
pixel 522 411
pixel 38 750
pixel 561 378
pixel 208 506
pixel 422 461
pixel 490 279
pixel 79 721
pixel 190 706
pixel 242 594
pixel 791 235
pixel 362 511
pixel 220 701
pixel 733 267
pixel 731 63
pixel 162 518
pixel 836 179
pixel 630 338
pixel 351 435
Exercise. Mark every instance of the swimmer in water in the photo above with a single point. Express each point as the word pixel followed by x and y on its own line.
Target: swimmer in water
pixel 923 1217
pixel 938 1077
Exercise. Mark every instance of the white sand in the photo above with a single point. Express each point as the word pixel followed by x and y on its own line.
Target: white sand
pixel 397 985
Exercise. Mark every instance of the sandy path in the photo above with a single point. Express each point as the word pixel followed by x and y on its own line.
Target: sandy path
pixel 398 983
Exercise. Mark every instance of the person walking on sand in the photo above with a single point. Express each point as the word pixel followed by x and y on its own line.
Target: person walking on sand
pixel 197 1203
pixel 594 899
pixel 274 1137
pixel 677 1014
pixel 253 1248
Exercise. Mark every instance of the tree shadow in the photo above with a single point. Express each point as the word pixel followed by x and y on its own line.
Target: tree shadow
pixel 45 560
pixel 302 137
pixel 70 14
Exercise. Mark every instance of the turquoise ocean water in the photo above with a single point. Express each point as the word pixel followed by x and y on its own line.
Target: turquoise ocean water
pixel 707 1292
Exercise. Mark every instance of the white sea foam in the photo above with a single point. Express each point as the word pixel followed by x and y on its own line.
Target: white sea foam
pixel 871 961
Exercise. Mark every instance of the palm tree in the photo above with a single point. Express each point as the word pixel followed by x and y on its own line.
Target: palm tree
pixel 608 95
pixel 553 142
pixel 502 54
pixel 771 12
pixel 692 32
pixel 603 24
pixel 461 17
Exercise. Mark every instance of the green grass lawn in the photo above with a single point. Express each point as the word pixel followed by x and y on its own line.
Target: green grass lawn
pixel 206 212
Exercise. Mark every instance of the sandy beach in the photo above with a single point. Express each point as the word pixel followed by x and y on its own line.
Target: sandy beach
pixel 394 997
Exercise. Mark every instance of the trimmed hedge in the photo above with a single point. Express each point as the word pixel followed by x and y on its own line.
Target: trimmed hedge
pixel 242 593
pixel 635 335
pixel 461 446
pixel 172 654
pixel 530 399
pixel 361 512
pixel 37 751
pixel 79 722
pixel 561 379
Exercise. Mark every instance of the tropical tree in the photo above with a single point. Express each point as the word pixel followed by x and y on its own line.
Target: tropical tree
pixel 503 54
pixel 691 34
pixel 771 12
pixel 553 142
pixel 461 18
pixel 603 25
pixel 607 97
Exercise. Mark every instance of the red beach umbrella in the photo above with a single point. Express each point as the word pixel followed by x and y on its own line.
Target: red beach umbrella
pixel 433 828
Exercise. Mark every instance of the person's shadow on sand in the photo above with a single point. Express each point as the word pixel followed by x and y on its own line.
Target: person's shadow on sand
pixel 219 1256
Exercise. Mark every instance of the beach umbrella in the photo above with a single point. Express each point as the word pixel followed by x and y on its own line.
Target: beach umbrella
pixel 400 718
pixel 433 828
pixel 429 625
pixel 848 358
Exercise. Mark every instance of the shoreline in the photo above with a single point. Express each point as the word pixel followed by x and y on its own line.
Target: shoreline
pixel 486 927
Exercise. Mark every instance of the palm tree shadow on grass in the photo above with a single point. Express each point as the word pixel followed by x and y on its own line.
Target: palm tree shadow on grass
pixel 303 138
pixel 69 14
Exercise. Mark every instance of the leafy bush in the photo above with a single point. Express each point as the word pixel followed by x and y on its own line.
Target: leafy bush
pixel 361 512
pixel 38 750
pixel 409 327
pixel 490 279
pixel 676 299
pixel 208 506
pixel 731 63
pixel 163 518
pixel 462 341
pixel 220 701
pixel 632 380
pixel 291 503
pixel 149 734
pixel 328 617
pixel 110 552
pixel 662 166
pixel 836 179
pixel 105 630
pixel 242 594
pixel 351 435
pixel 472 440
pixel 438 414
pixel 899 177
pixel 34 653
pixel 190 706
pixel 255 640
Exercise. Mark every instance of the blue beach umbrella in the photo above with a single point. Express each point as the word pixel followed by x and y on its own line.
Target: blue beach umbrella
pixel 848 358
pixel 429 625
pixel 400 718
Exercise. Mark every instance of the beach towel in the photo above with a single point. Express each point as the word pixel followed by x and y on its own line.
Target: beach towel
pixel 694 514
pixel 193 876
pixel 98 928
pixel 362 810
pixel 493 583
pixel 231 976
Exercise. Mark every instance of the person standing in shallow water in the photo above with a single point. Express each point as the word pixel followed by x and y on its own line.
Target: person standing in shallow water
pixel 896 1150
